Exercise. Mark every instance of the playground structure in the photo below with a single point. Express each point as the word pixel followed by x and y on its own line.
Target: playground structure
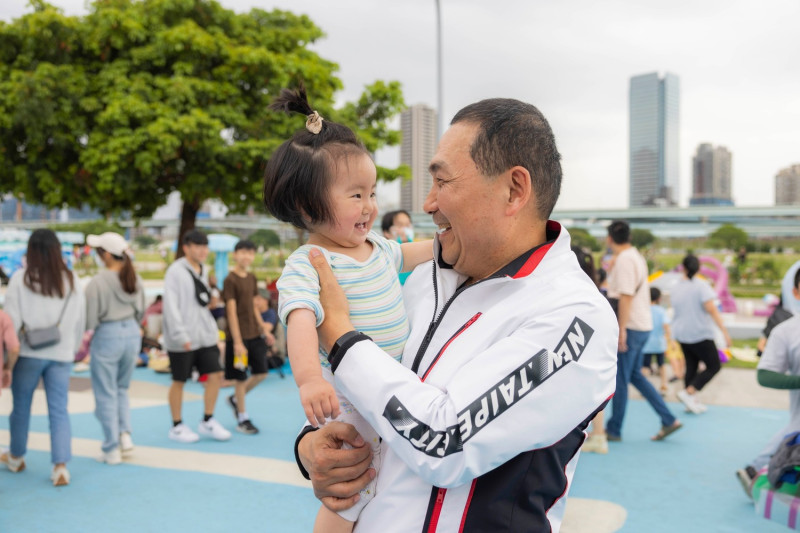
pixel 14 243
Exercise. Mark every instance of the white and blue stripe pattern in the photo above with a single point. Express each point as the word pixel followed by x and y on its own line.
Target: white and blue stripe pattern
pixel 372 289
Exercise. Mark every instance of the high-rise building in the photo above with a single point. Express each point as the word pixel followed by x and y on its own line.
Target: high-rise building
pixel 787 186
pixel 418 124
pixel 711 176
pixel 654 124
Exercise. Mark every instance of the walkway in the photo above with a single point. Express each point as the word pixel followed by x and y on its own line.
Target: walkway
pixel 683 484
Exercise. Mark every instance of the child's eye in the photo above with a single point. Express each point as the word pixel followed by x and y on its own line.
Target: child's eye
pixel 357 195
pixel 373 195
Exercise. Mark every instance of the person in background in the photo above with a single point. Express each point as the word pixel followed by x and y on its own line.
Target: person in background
pixel 657 342
pixel 397 226
pixel 190 337
pixel 10 349
pixel 779 368
pixel 115 303
pixel 217 304
pixel 247 337
pixel 596 442
pixel 696 313
pixel 43 295
pixel 627 282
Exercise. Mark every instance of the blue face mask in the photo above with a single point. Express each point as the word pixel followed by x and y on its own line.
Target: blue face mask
pixel 407 236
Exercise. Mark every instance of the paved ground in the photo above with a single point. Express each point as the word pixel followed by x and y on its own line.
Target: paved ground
pixel 683 484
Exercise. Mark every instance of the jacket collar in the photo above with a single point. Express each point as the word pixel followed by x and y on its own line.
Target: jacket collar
pixel 523 265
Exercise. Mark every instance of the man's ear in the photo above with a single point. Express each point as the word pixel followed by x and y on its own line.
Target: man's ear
pixel 520 190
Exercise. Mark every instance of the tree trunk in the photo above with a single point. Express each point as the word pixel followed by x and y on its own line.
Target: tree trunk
pixel 188 217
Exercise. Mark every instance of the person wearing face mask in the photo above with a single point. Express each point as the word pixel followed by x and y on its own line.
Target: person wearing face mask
pixel 115 304
pixel 396 226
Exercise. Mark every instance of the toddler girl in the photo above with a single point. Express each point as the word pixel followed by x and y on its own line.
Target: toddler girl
pixel 323 181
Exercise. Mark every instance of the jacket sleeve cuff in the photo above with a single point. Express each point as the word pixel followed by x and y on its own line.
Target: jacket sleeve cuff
pixel 344 343
pixel 306 430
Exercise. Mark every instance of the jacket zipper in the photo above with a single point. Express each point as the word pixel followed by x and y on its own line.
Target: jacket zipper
pixel 437 319
pixel 461 330
pixel 437 509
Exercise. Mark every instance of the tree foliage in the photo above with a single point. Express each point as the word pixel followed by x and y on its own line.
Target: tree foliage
pixel 265 237
pixel 137 99
pixel 641 238
pixel 581 237
pixel 728 236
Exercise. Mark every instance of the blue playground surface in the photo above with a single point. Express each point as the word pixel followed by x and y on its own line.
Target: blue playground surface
pixel 685 483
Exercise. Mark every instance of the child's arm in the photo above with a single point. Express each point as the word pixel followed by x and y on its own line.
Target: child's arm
pixel 317 395
pixel 415 253
pixel 667 333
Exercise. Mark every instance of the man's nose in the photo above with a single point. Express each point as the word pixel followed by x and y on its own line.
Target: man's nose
pixel 430 205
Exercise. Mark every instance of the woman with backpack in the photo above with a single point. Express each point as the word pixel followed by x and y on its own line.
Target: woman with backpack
pixel 45 301
pixel 115 304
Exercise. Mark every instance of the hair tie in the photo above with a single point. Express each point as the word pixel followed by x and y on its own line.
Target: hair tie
pixel 314 123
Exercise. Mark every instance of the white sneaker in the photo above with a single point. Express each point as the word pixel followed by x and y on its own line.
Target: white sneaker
pixel 183 433
pixel 595 444
pixel 690 403
pixel 125 442
pixel 111 457
pixel 213 429
pixel 15 464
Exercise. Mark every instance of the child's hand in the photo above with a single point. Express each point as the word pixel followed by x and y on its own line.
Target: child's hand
pixel 319 401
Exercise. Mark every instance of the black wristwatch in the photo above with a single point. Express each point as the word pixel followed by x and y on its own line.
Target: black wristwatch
pixel 341 346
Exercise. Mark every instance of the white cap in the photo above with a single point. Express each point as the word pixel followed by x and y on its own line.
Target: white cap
pixel 111 242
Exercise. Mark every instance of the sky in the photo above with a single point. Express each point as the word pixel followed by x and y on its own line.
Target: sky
pixel 738 63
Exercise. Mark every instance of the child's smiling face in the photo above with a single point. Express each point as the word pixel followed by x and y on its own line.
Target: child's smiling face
pixel 352 201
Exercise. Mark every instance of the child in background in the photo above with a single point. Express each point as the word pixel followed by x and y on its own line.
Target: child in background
pixel 657 342
pixel 247 337
pixel 323 181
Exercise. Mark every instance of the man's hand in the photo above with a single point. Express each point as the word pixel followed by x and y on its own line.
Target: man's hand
pixel 187 346
pixel 319 401
pixel 239 348
pixel 5 378
pixel 334 303
pixel 337 474
pixel 622 343
pixel 269 338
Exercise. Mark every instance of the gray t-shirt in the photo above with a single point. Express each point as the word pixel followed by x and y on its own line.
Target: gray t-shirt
pixel 691 323
pixel 782 355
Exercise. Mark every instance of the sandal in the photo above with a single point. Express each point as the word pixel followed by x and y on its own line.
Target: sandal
pixel 60 476
pixel 666 431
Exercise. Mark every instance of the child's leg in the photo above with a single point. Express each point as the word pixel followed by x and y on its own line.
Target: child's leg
pixel 330 522
pixel 662 371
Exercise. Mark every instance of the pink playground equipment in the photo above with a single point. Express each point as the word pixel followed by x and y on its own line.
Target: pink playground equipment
pixel 715 272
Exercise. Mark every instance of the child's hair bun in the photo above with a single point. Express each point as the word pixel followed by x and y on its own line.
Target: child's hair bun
pixel 290 101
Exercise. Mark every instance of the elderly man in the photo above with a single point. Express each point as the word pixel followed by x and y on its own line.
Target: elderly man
pixel 511 353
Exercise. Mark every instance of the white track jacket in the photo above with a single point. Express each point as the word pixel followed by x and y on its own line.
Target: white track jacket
pixel 482 424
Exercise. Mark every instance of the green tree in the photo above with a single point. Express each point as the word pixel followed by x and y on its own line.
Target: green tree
pixel 138 99
pixel 581 237
pixel 728 236
pixel 265 237
pixel 641 238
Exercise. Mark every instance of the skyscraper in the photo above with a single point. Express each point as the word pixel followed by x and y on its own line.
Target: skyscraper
pixel 418 124
pixel 711 176
pixel 654 124
pixel 787 186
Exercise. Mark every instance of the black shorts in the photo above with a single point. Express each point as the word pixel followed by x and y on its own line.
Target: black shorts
pixel 256 358
pixel 205 360
pixel 648 359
